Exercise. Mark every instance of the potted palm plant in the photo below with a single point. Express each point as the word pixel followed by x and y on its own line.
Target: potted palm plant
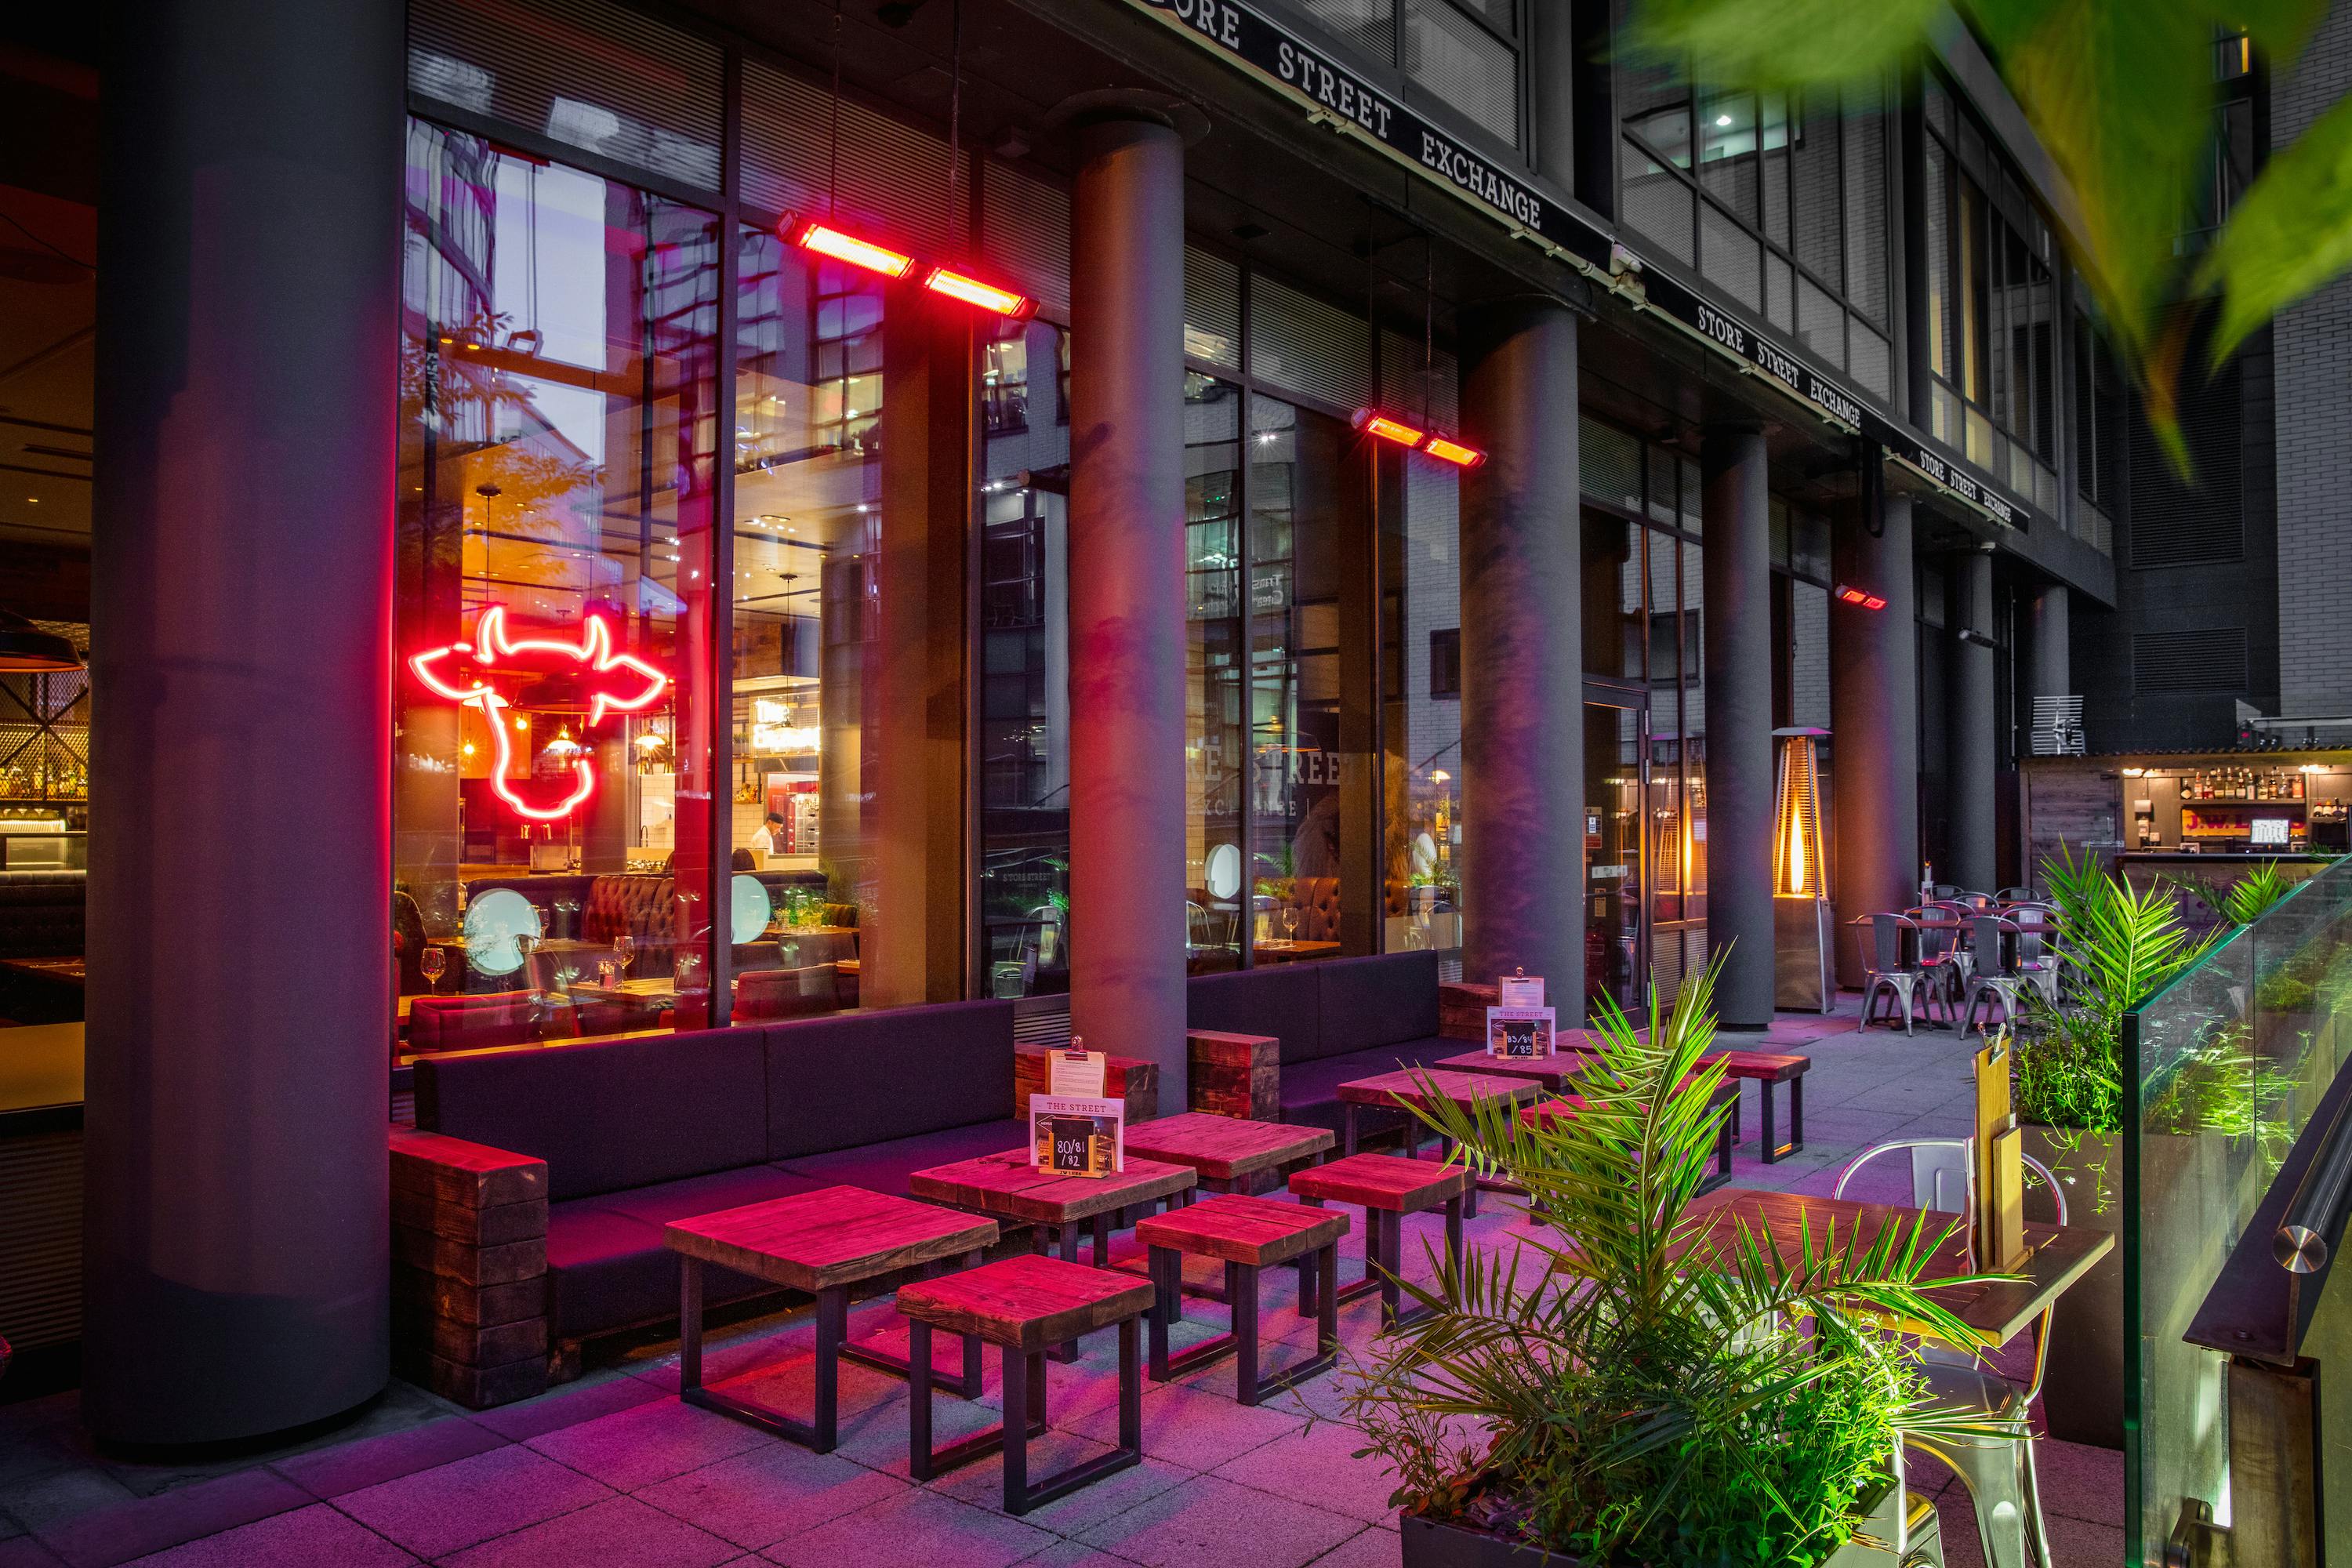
pixel 1646 1388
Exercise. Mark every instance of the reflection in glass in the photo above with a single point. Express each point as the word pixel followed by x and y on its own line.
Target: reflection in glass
pixel 1216 770
pixel 557 412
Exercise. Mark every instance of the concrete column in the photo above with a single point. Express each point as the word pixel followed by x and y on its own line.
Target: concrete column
pixel 1126 592
pixel 2051 672
pixel 1522 650
pixel 1969 776
pixel 1873 724
pixel 1736 656
pixel 236 1225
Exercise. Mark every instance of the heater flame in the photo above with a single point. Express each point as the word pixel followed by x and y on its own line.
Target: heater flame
pixel 1797 852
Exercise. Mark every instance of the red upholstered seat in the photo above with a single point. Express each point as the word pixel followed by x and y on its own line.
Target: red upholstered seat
pixel 465 1023
pixel 643 907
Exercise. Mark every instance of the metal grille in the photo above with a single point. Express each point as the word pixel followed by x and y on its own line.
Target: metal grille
pixel 2173 524
pixel 1212 308
pixel 1025 236
pixel 893 177
pixel 1608 464
pixel 1040 1021
pixel 2213 660
pixel 1299 342
pixel 1367 24
pixel 40 1237
pixel 586 73
pixel 1464 65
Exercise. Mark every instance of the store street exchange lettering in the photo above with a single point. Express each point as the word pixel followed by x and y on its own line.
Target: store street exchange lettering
pixel 1478 177
pixel 1335 90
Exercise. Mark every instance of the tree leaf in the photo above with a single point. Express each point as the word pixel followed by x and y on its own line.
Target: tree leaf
pixel 1786 43
pixel 2290 234
pixel 2116 91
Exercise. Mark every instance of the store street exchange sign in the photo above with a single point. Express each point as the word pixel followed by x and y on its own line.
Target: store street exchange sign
pixel 1347 99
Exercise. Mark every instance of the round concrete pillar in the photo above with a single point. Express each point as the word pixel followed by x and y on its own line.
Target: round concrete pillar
pixel 2053 667
pixel 1523 650
pixel 1973 740
pixel 1736 656
pixel 1126 558
pixel 236 1225
pixel 1873 724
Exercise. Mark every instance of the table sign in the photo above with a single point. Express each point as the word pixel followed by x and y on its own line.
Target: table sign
pixel 1077 1135
pixel 1520 989
pixel 1077 1071
pixel 1521 1032
pixel 1997 1167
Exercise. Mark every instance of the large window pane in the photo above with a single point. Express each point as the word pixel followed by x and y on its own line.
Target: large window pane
pixel 1817 205
pixel 1865 200
pixel 1464 65
pixel 850 539
pixel 552 819
pixel 1216 757
pixel 1656 202
pixel 1025 694
pixel 1420 617
pixel 1305 537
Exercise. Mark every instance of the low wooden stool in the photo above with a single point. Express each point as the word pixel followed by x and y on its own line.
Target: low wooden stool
pixel 1247 1234
pixel 1023 1306
pixel 1387 1187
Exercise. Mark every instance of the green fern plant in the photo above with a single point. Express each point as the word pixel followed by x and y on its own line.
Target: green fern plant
pixel 2251 895
pixel 1650 1395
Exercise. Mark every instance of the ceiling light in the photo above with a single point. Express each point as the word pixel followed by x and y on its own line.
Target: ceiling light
pixel 1723 119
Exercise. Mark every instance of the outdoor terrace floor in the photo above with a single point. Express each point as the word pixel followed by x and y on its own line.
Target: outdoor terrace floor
pixel 612 1471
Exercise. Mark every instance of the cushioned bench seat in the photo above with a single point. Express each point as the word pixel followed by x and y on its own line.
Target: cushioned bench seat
pixel 885 1167
pixel 1310 1089
pixel 606 1260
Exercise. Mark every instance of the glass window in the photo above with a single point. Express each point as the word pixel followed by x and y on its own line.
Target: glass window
pixel 1216 769
pixel 1865 200
pixel 1024 696
pixel 1303 535
pixel 849 562
pixel 555 609
pixel 1466 67
pixel 1420 613
pixel 1369 24
pixel 1728 155
pixel 1729 257
pixel 1652 201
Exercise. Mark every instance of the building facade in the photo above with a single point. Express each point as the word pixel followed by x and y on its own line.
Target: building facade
pixel 659 517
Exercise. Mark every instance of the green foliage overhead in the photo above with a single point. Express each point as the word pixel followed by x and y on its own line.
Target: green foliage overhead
pixel 1657 1392
pixel 2120 93
pixel 2252 894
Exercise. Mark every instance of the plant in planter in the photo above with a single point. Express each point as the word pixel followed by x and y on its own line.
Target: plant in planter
pixel 1647 1390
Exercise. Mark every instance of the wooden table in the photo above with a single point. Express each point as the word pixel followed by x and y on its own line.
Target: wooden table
pixel 1413 1087
pixel 1996 1313
pixel 822 1242
pixel 1281 952
pixel 1229 1154
pixel 1007 1187
pixel 1549 1072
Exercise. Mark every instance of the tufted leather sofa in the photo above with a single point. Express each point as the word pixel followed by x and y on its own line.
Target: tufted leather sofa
pixel 643 907
pixel 1317 899
pixel 41 913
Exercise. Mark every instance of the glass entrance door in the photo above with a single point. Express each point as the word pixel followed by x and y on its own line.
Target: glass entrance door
pixel 1616 754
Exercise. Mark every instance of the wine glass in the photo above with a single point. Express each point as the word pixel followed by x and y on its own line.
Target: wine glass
pixel 433 963
pixel 625 947
pixel 1290 926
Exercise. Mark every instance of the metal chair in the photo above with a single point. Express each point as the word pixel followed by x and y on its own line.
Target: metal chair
pixel 1995 978
pixel 1944 951
pixel 2004 1484
pixel 2013 896
pixel 1907 985
pixel 2037 928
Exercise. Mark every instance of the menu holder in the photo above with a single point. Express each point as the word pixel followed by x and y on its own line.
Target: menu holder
pixel 1520 989
pixel 1076 1135
pixel 1997 1167
pixel 1077 1071
pixel 1522 1033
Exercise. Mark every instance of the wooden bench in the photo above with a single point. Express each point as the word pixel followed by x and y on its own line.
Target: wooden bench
pixel 1246 1234
pixel 1387 1187
pixel 1024 1306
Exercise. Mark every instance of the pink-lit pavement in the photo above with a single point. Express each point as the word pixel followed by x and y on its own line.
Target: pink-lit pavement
pixel 613 1472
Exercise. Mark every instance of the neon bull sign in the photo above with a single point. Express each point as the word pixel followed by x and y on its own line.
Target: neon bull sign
pixel 614 681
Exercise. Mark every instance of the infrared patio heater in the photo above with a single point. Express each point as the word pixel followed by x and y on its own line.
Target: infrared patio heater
pixel 1801 920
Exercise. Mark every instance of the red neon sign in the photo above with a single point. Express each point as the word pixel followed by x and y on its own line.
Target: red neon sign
pixel 493 651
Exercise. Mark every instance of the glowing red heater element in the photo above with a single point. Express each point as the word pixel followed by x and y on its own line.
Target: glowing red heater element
pixel 634 685
pixel 972 291
pixel 1454 452
pixel 848 247
pixel 1388 429
pixel 1852 596
pixel 1874 603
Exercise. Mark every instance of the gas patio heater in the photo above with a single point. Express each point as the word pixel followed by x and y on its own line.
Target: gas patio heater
pixel 1801 932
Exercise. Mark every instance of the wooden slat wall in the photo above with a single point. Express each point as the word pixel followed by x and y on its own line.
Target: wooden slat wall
pixel 2073 804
